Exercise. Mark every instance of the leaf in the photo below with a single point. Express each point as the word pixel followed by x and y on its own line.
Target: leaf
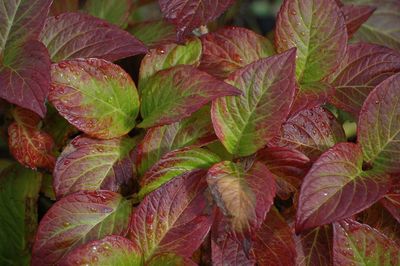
pixel 316 28
pixel 96 96
pixel 391 201
pixel 356 243
pixel 336 187
pixel 274 244
pixel 196 130
pixel 173 218
pixel 176 163
pixel 90 164
pixel 190 14
pixel 153 33
pixel 116 12
pixel 244 197
pixel 246 123
pixel 363 68
pixel 19 192
pixel 170 259
pixel 314 247
pixel 111 250
pixel 355 16
pixel 231 48
pixel 76 35
pixel 185 90
pixel 61 6
pixel 289 167
pixel 379 127
pixel 77 219
pixel 311 132
pixel 29 145
pixel 169 55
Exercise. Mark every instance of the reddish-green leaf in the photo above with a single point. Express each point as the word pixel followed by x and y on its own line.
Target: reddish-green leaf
pixel 243 195
pixel 29 145
pixel 196 130
pixel 391 201
pixel 153 33
pixel 231 48
pixel 336 187
pixel 76 35
pixel 359 244
pixel 355 16
pixel 114 11
pixel 169 259
pixel 190 14
pixel 311 132
pixel 96 96
pixel 174 164
pixel 185 90
pixel 317 29
pixel 364 67
pixel 61 6
pixel 379 126
pixel 77 219
pixel 246 123
pixel 173 218
pixel 111 250
pixel 90 164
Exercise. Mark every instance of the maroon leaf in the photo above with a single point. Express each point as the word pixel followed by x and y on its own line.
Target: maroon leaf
pixel 76 35
pixel 173 218
pixel 231 48
pixel 190 14
pixel 391 201
pixel 29 145
pixel 359 244
pixel 336 187
pixel 355 16
pixel 77 219
pixel 364 67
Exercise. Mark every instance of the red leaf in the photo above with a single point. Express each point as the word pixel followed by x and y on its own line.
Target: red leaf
pixel 355 16
pixel 190 14
pixel 28 144
pixel 391 201
pixel 336 187
pixel 76 35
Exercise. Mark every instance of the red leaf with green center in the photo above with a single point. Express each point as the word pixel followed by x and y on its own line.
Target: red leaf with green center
pixel 153 33
pixel 311 132
pixel 185 90
pixel 289 167
pixel 363 68
pixel 317 29
pixel 231 48
pixel 111 250
pixel 243 195
pixel 91 164
pixel 77 219
pixel 355 16
pixel 96 96
pixel 169 259
pixel 336 187
pixel 173 218
pixel 190 14
pixel 29 145
pixel 391 201
pixel 196 130
pixel 246 123
pixel 176 163
pixel 76 35
pixel 274 244
pixel 379 126
pixel 359 244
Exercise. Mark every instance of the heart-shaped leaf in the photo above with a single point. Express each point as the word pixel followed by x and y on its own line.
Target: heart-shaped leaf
pixel 317 29
pixel 336 187
pixel 355 16
pixel 96 96
pixel 231 48
pixel 180 96
pixel 77 219
pixel 90 164
pixel 246 123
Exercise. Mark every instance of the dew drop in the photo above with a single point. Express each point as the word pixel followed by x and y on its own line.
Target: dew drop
pixel 314 132
pixel 149 219
pixel 66 162
pixel 100 149
pixel 160 50
pixel 110 99
pixel 106 246
pixel 62 65
pixel 66 224
pixel 92 209
pixel 377 102
pixel 293 12
pixel 302 33
pixel 94 259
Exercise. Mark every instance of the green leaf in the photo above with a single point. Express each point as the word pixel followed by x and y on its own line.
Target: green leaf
pixel 153 33
pixel 115 11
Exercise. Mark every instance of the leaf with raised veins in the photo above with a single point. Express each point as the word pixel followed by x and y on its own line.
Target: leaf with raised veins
pixel 246 123
pixel 76 35
pixel 95 96
pixel 29 145
pixel 317 28
pixel 91 164
pixel 391 201
pixel 379 126
pixel 231 48
pixel 77 219
pixel 336 187
pixel 355 16
pixel 175 93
